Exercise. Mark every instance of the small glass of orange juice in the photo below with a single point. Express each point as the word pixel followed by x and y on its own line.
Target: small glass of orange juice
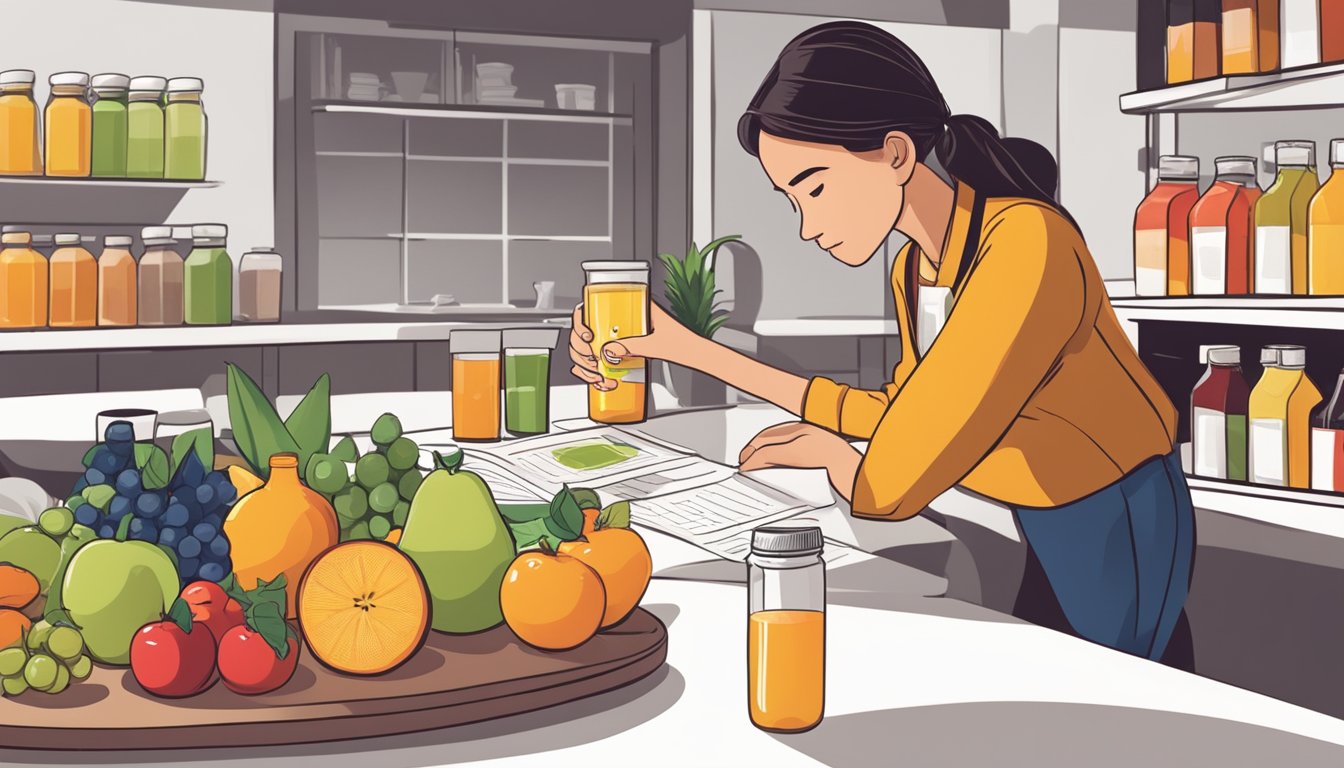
pixel 476 384
pixel 786 629
pixel 616 306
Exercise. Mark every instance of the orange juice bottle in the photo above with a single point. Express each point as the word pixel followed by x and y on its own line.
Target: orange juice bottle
pixel 69 123
pixel 616 306
pixel 23 281
pixel 20 153
pixel 1325 230
pixel 116 282
pixel 74 284
pixel 476 384
pixel 1280 416
pixel 1162 229
pixel 786 628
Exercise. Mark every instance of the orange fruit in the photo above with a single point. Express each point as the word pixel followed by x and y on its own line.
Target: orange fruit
pixel 621 558
pixel 363 607
pixel 393 536
pixel 12 626
pixel 552 601
pixel 18 587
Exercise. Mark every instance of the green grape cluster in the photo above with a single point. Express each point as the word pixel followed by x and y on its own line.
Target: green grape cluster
pixel 50 657
pixel 371 493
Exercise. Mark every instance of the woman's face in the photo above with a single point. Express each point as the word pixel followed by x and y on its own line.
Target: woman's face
pixel 848 202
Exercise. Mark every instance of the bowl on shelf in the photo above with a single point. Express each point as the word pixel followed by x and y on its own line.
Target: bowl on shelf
pixel 580 96
pixel 410 85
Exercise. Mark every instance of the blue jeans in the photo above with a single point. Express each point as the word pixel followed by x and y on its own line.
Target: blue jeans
pixel 1119 560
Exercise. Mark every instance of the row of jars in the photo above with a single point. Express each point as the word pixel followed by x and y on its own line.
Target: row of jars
pixel 72 289
pixel 107 126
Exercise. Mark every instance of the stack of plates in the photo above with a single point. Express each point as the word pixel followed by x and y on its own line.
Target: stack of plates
pixel 494 85
pixel 364 86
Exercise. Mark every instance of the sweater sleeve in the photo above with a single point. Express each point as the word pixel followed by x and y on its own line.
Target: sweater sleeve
pixel 1022 303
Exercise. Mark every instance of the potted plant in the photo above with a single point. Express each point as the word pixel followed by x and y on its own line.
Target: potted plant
pixel 691 298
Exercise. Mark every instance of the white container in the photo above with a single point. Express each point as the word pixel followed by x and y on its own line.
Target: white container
pixel 260 274
pixel 1300 31
pixel 576 96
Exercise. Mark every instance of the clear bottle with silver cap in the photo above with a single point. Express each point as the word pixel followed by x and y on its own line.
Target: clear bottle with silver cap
pixel 24 275
pixel 260 273
pixel 20 148
pixel 184 130
pixel 161 271
pixel 144 134
pixel 109 125
pixel 786 628
pixel 207 282
pixel 117 283
pixel 74 284
pixel 1161 235
pixel 1220 230
pixel 1280 418
pixel 68 126
pixel 1325 222
pixel 1281 221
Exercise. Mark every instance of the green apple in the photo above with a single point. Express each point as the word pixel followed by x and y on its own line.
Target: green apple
pixel 112 588
pixel 32 550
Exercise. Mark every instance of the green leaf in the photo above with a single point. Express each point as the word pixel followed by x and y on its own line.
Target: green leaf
pixel 527 535
pixel 87 461
pixel 694 260
pixel 180 614
pixel 257 428
pixel 198 440
pixel 272 591
pixel 153 465
pixel 714 246
pixel 310 423
pixel 616 515
pixel 566 517
pixel 524 513
pixel 452 462
pixel 124 529
pixel 58 616
pixel 234 590
pixel 167 550
pixel 587 498
pixel 268 620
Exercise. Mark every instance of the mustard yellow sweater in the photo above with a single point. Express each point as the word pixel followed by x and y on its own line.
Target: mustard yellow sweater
pixel 1031 395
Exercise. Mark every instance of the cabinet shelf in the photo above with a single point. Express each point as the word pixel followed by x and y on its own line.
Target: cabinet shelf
pixel 1311 511
pixel 472 112
pixel 1315 87
pixel 94 183
pixel 1321 313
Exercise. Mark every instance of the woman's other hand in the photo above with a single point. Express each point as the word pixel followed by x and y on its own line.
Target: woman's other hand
pixel 667 340
pixel 804 446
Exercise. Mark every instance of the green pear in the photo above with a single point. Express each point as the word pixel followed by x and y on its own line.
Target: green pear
pixel 455 534
pixel 112 588
pixel 31 549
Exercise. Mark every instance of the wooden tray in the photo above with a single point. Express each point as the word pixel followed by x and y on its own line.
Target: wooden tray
pixel 452 680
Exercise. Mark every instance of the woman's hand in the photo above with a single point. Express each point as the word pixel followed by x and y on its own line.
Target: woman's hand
pixel 805 446
pixel 667 340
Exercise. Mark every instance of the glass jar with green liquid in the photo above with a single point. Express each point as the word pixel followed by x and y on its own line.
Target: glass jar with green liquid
pixel 527 366
pixel 184 130
pixel 207 280
pixel 110 126
pixel 144 117
pixel 1281 221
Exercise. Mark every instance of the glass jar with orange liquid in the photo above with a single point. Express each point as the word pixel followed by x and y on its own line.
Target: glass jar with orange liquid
pixel 616 306
pixel 1162 229
pixel 69 123
pixel 1193 39
pixel 476 384
pixel 1325 230
pixel 1250 36
pixel 23 281
pixel 116 282
pixel 20 153
pixel 786 628
pixel 74 284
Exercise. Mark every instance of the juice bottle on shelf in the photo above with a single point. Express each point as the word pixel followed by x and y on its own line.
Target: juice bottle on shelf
pixel 207 278
pixel 1180 41
pixel 1218 408
pixel 144 128
pixel 1220 230
pixel 116 282
pixel 1300 25
pixel 23 281
pixel 109 126
pixel 1280 414
pixel 1281 221
pixel 260 273
pixel 20 150
pixel 1325 226
pixel 1161 229
pixel 1207 38
pixel 615 306
pixel 476 384
pixel 527 367
pixel 786 628
pixel 74 284
pixel 184 130
pixel 69 126
pixel 1332 30
pixel 1250 36
pixel 1327 444
pixel 161 271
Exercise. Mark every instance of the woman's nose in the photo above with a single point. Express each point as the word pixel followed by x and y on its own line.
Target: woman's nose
pixel 805 231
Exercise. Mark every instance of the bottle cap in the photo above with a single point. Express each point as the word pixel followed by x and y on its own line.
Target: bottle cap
pixel 473 342
pixel 69 78
pixel 1293 357
pixel 1269 356
pixel 209 231
pixel 1178 168
pixel 1225 355
pixel 67 238
pixel 117 241
pixel 786 541
pixel 1336 150
pixel 148 83
pixel 18 77
pixel 542 339
pixel 111 80
pixel 1234 165
pixel 181 233
pixel 11 235
pixel 185 85
pixel 8 228
pixel 156 233
pixel 1295 153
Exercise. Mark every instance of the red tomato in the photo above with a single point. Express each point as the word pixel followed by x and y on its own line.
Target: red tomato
pixel 249 665
pixel 169 662
pixel 212 607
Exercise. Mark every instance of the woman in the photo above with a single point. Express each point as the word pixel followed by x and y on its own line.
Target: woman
pixel 1030 395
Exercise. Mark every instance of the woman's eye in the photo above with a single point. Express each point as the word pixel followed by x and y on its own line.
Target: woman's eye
pixel 817 192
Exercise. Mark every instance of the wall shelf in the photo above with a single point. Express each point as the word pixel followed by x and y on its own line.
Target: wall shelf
pixel 1312 511
pixel 1324 313
pixel 92 183
pixel 1315 87
pixel 472 112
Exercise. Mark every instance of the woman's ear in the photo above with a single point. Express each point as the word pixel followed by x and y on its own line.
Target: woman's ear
pixel 898 150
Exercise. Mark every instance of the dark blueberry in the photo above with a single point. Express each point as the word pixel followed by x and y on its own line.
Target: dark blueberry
pixel 191 472
pixel 107 462
pixel 128 482
pixel 215 479
pixel 214 519
pixel 205 532
pixel 205 495
pixel 119 432
pixel 226 564
pixel 213 572
pixel 122 451
pixel 187 568
pixel 175 515
pixel 107 531
pixel 120 507
pixel 87 514
pixel 227 493
pixel 169 537
pixel 80 485
pixel 94 476
pixel 189 546
pixel 149 505
pixel 219 546
pixel 144 530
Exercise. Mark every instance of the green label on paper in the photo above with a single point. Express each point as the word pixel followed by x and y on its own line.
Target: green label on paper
pixel 1236 447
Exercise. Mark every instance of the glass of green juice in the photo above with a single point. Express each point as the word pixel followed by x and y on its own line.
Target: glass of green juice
pixel 527 365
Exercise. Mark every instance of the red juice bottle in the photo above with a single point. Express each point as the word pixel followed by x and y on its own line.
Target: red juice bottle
pixel 1218 408
pixel 1221 230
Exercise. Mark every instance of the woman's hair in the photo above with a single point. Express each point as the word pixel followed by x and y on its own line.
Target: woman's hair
pixel 850 84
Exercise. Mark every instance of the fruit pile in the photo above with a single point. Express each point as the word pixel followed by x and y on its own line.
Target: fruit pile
pixel 373 499
pixel 48 659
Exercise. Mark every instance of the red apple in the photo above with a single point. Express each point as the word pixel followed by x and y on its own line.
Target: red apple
pixel 211 606
pixel 250 665
pixel 171 660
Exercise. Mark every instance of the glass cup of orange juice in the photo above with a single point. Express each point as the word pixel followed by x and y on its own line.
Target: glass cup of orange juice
pixel 616 306
pixel 786 628
pixel 476 384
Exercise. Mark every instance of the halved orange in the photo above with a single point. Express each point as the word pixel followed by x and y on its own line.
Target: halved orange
pixel 363 608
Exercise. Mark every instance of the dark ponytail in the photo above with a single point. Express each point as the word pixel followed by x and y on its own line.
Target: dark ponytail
pixel 850 84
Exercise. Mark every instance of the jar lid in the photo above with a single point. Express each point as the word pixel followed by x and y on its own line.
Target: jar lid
pixel 185 85
pixel 18 77
pixel 1234 165
pixel 69 78
pixel 1295 153
pixel 1292 357
pixel 181 233
pixel 615 266
pixel 1178 168
pixel 469 342
pixel 1225 356
pixel 67 238
pixel 15 236
pixel 111 80
pixel 117 241
pixel 1337 151
pixel 209 231
pixel 11 228
pixel 148 83
pixel 156 233
pixel 531 338
pixel 786 541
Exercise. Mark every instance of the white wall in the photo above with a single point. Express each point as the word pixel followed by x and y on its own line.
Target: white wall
pixel 232 50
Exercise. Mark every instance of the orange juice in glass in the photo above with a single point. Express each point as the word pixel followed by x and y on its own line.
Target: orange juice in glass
pixel 476 384
pixel 616 306
pixel 786 628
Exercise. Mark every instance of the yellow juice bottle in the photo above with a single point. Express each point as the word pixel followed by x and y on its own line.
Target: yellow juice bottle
pixel 1280 418
pixel 786 628
pixel 1325 230
pixel 23 281
pixel 20 150
pixel 616 306
pixel 1281 221
pixel 74 284
pixel 69 126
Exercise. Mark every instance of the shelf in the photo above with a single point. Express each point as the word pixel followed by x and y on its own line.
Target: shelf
pixel 472 112
pixel 1311 511
pixel 498 237
pixel 1315 87
pixel 1324 313
pixel 532 314
pixel 471 159
pixel 91 183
